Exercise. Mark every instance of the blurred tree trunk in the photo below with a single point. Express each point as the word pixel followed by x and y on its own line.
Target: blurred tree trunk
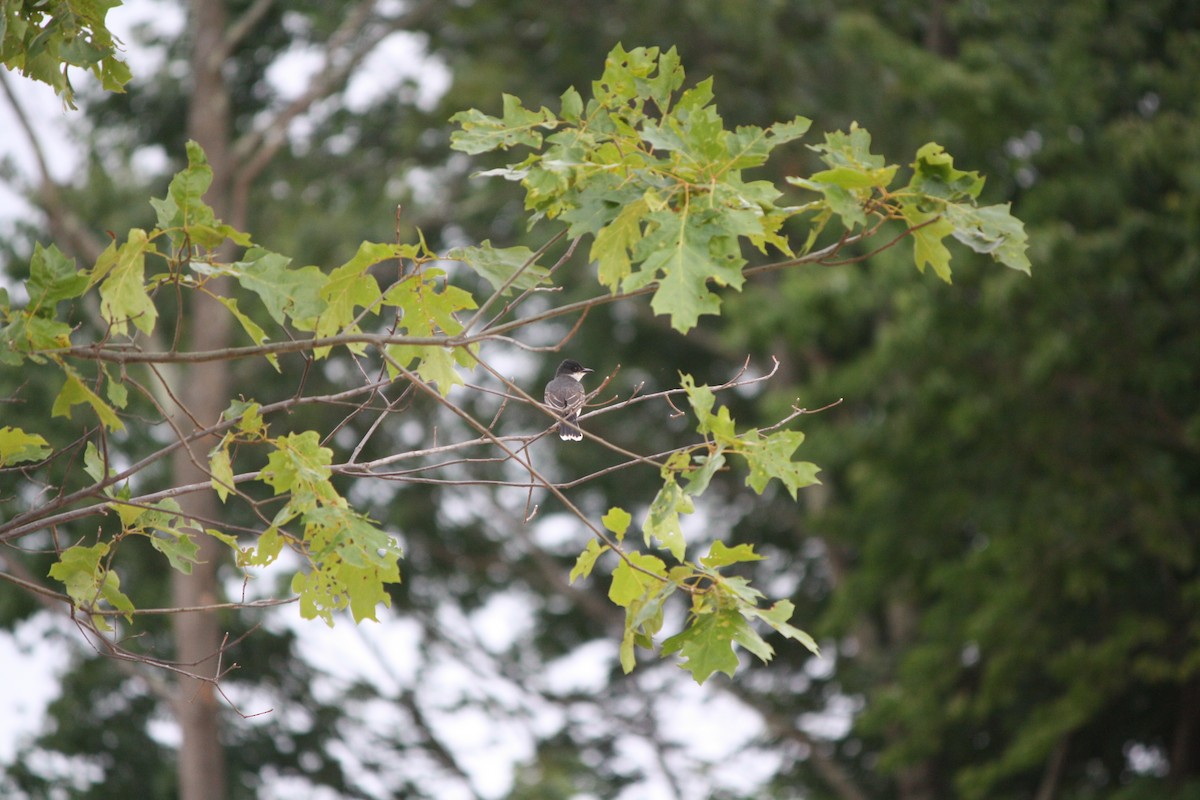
pixel 1185 743
pixel 203 390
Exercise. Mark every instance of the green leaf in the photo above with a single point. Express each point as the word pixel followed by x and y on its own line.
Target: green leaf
pixel 745 635
pixel 42 39
pixel 74 392
pixel 849 149
pixel 643 619
pixel 662 521
pixel 572 105
pixel 425 308
pixel 929 230
pixel 110 590
pixel 179 548
pixel 516 126
pixel 320 595
pixel 184 212
pixel 294 293
pixel 337 530
pixel 698 479
pixel 249 416
pixel 720 556
pixel 93 464
pixel 78 568
pixel 847 205
pixel 750 146
pixel 934 174
pixel 40 333
pixel 52 277
pixel 228 539
pixel 992 230
pixel 17 446
pixel 698 137
pixel 740 591
pixel 499 265
pixel 123 294
pixel 680 249
pixel 707 644
pixel 854 175
pixel 349 288
pixel 627 75
pixel 702 399
pixel 771 457
pixel 587 559
pixel 852 178
pixel 114 390
pixel 777 617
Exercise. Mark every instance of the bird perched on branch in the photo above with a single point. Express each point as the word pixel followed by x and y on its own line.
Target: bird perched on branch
pixel 565 396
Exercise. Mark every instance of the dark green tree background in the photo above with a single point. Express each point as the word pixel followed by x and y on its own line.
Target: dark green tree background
pixel 1002 561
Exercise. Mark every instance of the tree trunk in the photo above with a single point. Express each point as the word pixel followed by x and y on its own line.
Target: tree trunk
pixel 204 391
pixel 1185 741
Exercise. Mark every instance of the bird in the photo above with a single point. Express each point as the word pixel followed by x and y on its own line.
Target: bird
pixel 565 396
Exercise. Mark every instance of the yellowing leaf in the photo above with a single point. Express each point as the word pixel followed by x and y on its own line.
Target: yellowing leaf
pixel 629 583
pixel 88 581
pixel 74 392
pixel 349 288
pixel 719 555
pixel 123 294
pixel 300 465
pixel 270 545
pixel 17 446
pixel 435 365
pixel 221 467
pixel 617 520
pixel 614 243
pixel 587 559
pixel 252 328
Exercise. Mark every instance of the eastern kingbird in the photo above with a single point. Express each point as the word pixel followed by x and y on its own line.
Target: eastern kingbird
pixel 565 396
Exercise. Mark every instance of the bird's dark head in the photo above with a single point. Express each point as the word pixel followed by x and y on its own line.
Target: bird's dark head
pixel 573 368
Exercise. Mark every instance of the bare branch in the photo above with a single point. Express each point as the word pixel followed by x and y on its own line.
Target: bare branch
pixel 243 25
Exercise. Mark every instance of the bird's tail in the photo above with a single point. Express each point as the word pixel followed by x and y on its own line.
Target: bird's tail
pixel 568 430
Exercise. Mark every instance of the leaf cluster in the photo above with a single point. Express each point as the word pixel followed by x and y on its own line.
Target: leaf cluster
pixel 43 40
pixel 649 171
pixel 646 169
